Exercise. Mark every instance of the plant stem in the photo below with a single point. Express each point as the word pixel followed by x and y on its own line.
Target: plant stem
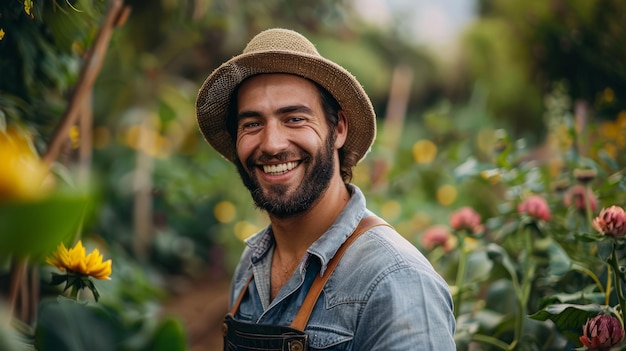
pixel 614 262
pixel 587 197
pixel 74 293
pixel 526 284
pixel 607 294
pixel 492 341
pixel 594 277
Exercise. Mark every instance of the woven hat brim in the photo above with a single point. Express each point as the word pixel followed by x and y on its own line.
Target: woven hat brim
pixel 213 97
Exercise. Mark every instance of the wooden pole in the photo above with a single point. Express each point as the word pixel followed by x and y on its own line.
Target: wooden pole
pixel 86 80
pixel 142 187
pixel 399 94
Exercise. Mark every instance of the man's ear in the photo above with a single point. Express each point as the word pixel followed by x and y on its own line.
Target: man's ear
pixel 341 130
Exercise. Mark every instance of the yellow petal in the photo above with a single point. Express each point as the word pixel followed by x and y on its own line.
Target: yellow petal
pixel 76 260
pixel 103 271
pixel 27 6
pixel 59 258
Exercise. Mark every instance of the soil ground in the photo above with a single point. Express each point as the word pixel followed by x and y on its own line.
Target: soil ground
pixel 201 306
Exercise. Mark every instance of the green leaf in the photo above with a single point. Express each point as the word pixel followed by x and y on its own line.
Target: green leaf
pixel 605 248
pixel 169 336
pixel 501 297
pixel 586 237
pixel 166 112
pixel 584 296
pixel 34 229
pixel 58 278
pixel 568 316
pixel 560 263
pixel 64 324
pixel 498 254
pixel 89 284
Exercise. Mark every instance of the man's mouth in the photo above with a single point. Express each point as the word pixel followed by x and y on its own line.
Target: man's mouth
pixel 279 168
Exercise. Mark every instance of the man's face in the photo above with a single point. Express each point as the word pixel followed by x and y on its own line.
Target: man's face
pixel 285 149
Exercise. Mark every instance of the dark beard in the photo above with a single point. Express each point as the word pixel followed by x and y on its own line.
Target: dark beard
pixel 276 202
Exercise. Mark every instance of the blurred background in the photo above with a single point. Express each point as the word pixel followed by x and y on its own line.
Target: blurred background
pixel 112 86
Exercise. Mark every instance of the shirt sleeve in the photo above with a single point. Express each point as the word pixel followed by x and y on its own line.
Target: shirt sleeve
pixel 409 309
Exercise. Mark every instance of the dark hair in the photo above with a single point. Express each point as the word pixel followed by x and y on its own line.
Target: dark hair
pixel 331 109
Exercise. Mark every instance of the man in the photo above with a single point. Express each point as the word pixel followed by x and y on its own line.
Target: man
pixel 326 274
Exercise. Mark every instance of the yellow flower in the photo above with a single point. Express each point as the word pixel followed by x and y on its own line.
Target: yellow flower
pixel 446 194
pixel 28 5
pixel 1 33
pixel 244 229
pixel 224 211
pixel 608 95
pixel 424 151
pixel 76 261
pixel 22 173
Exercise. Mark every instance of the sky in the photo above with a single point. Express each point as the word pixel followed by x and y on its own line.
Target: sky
pixel 431 22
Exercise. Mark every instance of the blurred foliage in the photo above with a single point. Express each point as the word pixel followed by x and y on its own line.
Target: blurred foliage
pixel 65 324
pixel 517 49
pixel 41 57
pixel 520 268
pixel 28 220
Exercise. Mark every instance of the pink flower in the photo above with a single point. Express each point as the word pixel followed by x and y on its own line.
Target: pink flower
pixel 602 332
pixel 536 207
pixel 611 221
pixel 466 218
pixel 576 196
pixel 437 235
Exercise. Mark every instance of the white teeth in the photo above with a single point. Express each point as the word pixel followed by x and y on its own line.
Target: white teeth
pixel 279 169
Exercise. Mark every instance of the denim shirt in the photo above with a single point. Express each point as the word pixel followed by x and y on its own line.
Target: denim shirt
pixel 383 295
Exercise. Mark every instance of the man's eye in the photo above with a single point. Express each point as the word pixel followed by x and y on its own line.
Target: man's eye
pixel 250 125
pixel 296 119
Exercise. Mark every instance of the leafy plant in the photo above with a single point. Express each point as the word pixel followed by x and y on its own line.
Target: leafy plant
pixel 551 258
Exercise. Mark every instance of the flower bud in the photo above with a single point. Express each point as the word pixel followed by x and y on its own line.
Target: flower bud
pixel 611 221
pixel 536 207
pixel 602 332
pixel 466 218
pixel 577 195
pixel 560 185
pixel 585 175
pixel 437 235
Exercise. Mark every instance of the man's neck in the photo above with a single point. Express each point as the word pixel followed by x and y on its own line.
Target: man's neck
pixel 295 234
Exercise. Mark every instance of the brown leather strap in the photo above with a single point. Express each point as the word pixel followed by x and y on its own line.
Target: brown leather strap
pixel 302 318
pixel 240 297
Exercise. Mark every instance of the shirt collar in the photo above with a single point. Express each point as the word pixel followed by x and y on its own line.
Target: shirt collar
pixel 260 243
pixel 327 245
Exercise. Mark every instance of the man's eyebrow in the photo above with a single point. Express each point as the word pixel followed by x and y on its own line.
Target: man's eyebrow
pixel 282 110
pixel 295 108
pixel 247 114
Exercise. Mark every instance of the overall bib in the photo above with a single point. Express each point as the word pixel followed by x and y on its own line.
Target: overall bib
pixel 240 336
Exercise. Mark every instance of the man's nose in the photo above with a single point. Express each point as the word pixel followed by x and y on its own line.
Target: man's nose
pixel 274 139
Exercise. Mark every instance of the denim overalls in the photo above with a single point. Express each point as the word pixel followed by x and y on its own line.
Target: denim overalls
pixel 240 336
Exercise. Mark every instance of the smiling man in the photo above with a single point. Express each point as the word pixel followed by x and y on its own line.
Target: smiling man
pixel 326 274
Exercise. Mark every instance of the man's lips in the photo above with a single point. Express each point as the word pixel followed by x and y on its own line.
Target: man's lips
pixel 280 168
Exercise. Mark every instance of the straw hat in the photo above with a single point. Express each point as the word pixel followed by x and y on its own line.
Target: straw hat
pixel 283 51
